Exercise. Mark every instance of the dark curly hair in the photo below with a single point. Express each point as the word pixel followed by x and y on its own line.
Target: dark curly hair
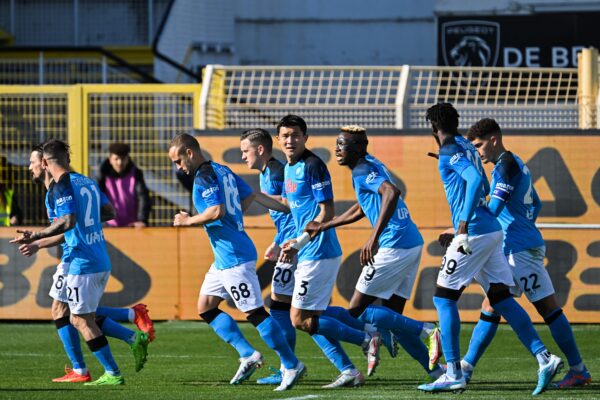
pixel 483 128
pixel 444 117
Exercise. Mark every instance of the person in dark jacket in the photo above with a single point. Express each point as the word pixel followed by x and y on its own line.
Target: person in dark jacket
pixel 123 183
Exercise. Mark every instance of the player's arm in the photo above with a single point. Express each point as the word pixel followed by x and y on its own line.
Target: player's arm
pixel 30 249
pixel 474 181
pixel 59 225
pixel 537 204
pixel 247 201
pixel 210 214
pixel 350 216
pixel 271 202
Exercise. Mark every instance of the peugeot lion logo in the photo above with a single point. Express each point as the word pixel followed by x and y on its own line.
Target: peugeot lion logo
pixel 470 43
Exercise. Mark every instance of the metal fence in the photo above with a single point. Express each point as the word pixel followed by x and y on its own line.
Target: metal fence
pixel 90 117
pixel 387 97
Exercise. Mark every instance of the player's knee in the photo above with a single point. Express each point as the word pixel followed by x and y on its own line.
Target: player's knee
pixel 356 311
pixel 497 292
pixel 552 315
pixel 303 324
pixel 447 293
pixel 256 317
pixel 62 322
pixel 210 315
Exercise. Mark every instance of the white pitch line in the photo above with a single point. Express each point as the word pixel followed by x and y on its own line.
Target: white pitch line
pixel 310 396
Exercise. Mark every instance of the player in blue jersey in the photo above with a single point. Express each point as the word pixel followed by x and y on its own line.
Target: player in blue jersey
pixel 79 206
pixel 220 197
pixel 256 146
pixel 60 309
pixel 309 195
pixel 391 256
pixel 474 253
pixel 516 204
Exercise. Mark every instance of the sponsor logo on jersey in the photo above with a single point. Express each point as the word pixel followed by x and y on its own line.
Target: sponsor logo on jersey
pixel 403 213
pixel 94 237
pixel 210 191
pixel 321 185
pixel 290 186
pixel 63 200
pixel 371 176
pixel 294 203
pixel 455 158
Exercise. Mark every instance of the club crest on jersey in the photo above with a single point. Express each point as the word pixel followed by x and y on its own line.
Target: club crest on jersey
pixel 299 172
pixel 290 186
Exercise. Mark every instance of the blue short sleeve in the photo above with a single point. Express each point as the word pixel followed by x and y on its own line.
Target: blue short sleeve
pixel 103 199
pixel 319 180
pixel 244 189
pixel 367 177
pixel 208 188
pixel 455 158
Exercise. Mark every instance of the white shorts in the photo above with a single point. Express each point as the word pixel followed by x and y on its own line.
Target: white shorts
pixel 530 275
pixel 283 278
pixel 314 283
pixel 239 283
pixel 58 291
pixel 487 264
pixel 85 291
pixel 393 273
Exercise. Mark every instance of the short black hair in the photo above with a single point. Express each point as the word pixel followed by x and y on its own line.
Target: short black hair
pixel 56 150
pixel 258 136
pixel 444 117
pixel 290 120
pixel 184 141
pixel 483 128
pixel 120 149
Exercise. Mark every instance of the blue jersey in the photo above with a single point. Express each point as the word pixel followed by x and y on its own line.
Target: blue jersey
pixel 400 232
pixel 307 183
pixel 66 251
pixel 79 195
pixel 215 184
pixel 271 183
pixel 456 155
pixel 511 184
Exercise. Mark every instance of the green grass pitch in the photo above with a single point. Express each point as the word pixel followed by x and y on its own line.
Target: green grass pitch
pixel 188 361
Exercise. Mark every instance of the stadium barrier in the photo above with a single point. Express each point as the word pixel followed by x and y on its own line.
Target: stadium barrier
pixel 164 266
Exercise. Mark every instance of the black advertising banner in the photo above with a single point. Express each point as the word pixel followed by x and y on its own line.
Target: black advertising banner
pixel 539 40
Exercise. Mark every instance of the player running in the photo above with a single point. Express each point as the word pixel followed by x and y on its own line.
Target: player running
pixel 474 253
pixel 515 202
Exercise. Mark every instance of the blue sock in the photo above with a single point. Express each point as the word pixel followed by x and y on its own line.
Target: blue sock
pixel 482 336
pixel 70 339
pixel 270 332
pixel 226 328
pixel 105 358
pixel 116 314
pixel 563 336
pixel 383 317
pixel 334 329
pixel 449 326
pixel 415 347
pixel 283 319
pixel 344 316
pixel 334 351
pixel 520 322
pixel 116 330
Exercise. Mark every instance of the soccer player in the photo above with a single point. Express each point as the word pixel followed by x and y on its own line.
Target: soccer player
pixel 309 195
pixel 220 197
pixel 391 256
pixel 516 204
pixel 474 253
pixel 60 309
pixel 256 146
pixel 79 206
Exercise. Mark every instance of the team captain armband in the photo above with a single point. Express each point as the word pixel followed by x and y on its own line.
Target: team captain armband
pixel 502 191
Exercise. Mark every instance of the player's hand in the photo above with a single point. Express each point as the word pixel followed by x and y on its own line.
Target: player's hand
pixel 461 242
pixel 434 155
pixel 138 224
pixel 181 219
pixel 24 238
pixel 272 252
pixel 29 249
pixel 446 237
pixel 288 252
pixel 368 251
pixel 313 228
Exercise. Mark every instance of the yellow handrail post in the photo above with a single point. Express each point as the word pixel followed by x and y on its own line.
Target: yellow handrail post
pixel 587 70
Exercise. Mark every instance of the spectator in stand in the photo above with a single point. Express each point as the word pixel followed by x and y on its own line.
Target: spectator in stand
pixel 123 183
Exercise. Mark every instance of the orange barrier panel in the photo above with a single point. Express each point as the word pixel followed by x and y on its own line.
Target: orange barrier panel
pixel 164 268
